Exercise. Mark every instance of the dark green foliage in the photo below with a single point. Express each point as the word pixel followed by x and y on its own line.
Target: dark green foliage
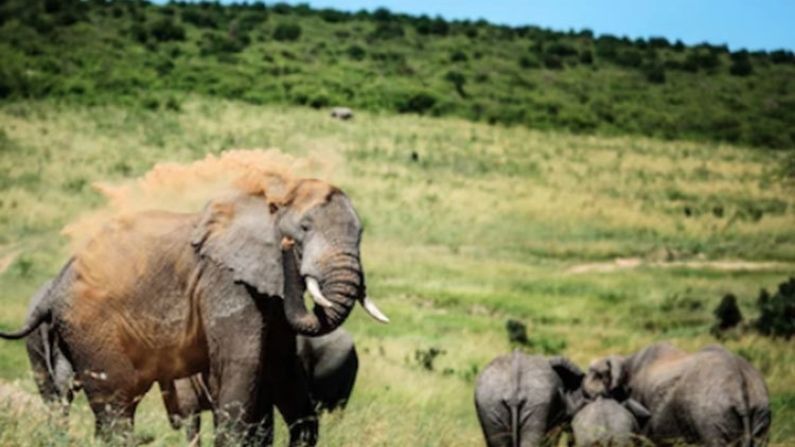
pixel 517 333
pixel 777 312
pixel 741 64
pixel 386 61
pixel 356 52
pixel 727 313
pixel 426 357
pixel 165 29
pixel 419 102
pixel 287 32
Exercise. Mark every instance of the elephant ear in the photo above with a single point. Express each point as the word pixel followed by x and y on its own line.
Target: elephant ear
pixel 240 233
pixel 618 374
pixel 570 374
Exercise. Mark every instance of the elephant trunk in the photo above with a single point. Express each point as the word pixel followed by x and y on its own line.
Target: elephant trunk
pixel 341 284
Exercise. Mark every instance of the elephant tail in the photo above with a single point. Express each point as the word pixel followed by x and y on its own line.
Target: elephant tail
pixel 38 315
pixel 516 431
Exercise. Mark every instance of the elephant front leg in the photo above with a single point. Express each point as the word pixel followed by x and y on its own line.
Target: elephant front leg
pixel 236 415
pixel 292 398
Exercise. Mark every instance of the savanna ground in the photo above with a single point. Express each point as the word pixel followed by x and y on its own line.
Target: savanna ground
pixel 467 225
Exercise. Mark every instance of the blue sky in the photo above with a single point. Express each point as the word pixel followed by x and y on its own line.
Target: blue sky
pixel 751 24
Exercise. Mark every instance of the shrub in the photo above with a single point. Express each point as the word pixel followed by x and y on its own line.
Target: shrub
pixel 777 312
pixel 287 32
pixel 356 52
pixel 655 73
pixel 419 102
pixel 199 18
pixel 387 30
pixel 561 49
pixel 458 56
pixel 457 79
pixel 528 62
pixel 517 333
pixel 586 57
pixel 553 62
pixel 426 357
pixel 741 67
pixel 165 29
pixel 727 313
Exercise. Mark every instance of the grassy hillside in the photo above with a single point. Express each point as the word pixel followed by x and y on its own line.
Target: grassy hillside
pixel 599 245
pixel 132 52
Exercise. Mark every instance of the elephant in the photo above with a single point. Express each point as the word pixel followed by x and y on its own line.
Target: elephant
pixel 606 422
pixel 156 296
pixel 711 397
pixel 52 371
pixel 331 363
pixel 342 113
pixel 324 379
pixel 520 399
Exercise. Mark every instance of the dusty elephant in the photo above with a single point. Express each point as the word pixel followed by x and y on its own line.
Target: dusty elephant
pixel 323 377
pixel 157 296
pixel 711 397
pixel 521 399
pixel 606 422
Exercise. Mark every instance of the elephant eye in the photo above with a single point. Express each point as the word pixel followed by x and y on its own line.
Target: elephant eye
pixel 304 227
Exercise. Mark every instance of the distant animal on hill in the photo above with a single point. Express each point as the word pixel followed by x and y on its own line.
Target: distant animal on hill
pixel 342 113
pixel 328 371
pixel 606 422
pixel 158 296
pixel 520 399
pixel 711 397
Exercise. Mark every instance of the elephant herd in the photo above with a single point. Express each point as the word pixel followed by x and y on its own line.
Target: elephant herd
pixel 659 395
pixel 210 306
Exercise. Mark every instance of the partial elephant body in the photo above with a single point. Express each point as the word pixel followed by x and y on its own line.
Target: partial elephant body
pixel 322 377
pixel 157 296
pixel 604 422
pixel 520 399
pixel 331 364
pixel 710 397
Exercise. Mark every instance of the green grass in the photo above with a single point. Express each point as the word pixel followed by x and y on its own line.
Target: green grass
pixel 149 56
pixel 487 224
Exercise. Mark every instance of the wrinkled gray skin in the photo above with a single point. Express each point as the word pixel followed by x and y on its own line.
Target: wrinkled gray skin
pixel 52 371
pixel 711 397
pixel 520 399
pixel 605 422
pixel 200 305
pixel 323 379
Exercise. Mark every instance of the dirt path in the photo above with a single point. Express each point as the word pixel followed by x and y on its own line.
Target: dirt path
pixel 620 264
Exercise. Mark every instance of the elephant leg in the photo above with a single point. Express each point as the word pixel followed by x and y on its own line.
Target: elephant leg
pixel 292 398
pixel 236 414
pixel 193 429
pixel 114 419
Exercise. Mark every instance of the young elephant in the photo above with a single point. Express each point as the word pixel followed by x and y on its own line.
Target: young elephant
pixel 710 397
pixel 520 398
pixel 325 372
pixel 606 422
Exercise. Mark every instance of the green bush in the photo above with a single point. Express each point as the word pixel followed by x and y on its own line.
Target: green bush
pixel 517 333
pixel 727 314
pixel 420 102
pixel 287 32
pixel 356 52
pixel 777 312
pixel 165 29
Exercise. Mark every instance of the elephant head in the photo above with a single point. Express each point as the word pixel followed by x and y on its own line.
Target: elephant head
pixel 606 377
pixel 305 237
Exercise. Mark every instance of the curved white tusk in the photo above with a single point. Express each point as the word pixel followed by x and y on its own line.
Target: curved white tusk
pixel 373 310
pixel 314 290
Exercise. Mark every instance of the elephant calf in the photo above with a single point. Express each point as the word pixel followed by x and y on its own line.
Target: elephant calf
pixel 606 422
pixel 520 399
pixel 711 397
pixel 325 375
